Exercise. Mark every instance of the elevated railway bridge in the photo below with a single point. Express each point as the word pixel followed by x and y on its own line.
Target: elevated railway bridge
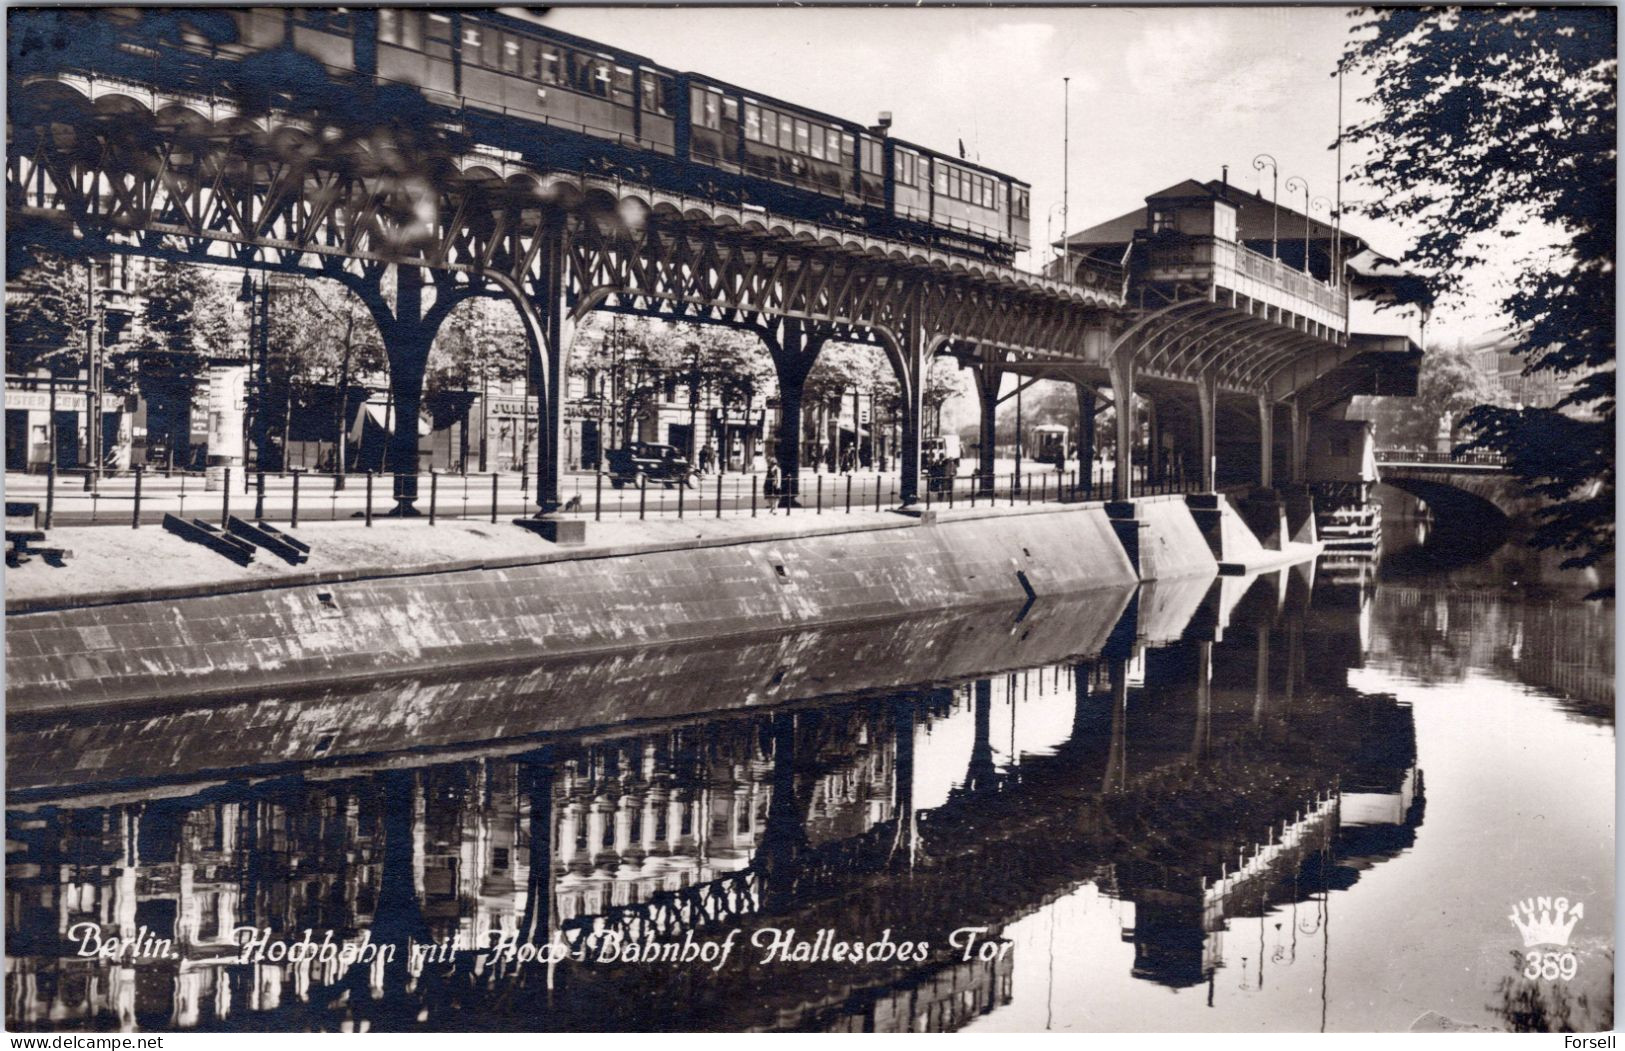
pixel 415 210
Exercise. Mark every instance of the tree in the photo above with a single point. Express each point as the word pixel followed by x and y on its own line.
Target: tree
pixel 736 367
pixel 46 318
pixel 185 320
pixel 840 369
pixel 942 385
pixel 1487 123
pixel 1452 382
pixel 482 342
pixel 321 340
pixel 625 363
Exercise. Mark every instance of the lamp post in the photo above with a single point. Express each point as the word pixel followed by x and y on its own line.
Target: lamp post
pixel 1259 163
pixel 260 337
pixel 1049 229
pixel 1066 175
pixel 1319 204
pixel 93 401
pixel 1304 186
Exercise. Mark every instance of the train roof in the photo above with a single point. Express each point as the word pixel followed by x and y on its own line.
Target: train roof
pixel 521 18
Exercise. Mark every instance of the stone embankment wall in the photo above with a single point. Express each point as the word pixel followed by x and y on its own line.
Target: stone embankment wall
pixel 288 633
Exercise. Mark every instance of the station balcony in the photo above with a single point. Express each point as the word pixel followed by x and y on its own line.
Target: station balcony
pixel 1167 268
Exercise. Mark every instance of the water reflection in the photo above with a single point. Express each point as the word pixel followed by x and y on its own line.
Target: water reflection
pixel 1183 789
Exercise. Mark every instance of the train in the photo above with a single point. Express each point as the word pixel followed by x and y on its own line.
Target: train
pixel 553 96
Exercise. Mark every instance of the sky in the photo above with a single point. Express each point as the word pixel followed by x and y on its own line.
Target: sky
pixel 1157 95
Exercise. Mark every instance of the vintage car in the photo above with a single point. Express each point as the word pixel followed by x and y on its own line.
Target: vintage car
pixel 643 462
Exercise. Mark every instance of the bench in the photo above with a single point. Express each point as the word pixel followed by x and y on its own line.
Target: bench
pixel 23 532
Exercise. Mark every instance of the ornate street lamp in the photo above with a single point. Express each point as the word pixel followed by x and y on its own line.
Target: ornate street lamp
pixel 1320 204
pixel 1304 186
pixel 1259 162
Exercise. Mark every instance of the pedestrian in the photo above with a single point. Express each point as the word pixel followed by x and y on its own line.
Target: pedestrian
pixel 770 487
pixel 707 455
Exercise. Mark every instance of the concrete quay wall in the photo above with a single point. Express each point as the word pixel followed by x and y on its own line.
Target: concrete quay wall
pixel 292 632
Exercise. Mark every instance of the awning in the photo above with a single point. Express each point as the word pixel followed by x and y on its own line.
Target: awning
pixel 374 414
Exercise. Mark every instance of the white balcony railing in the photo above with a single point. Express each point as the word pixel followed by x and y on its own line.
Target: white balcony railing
pixel 1238 267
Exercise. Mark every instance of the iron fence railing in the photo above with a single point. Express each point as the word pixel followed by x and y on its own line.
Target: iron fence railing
pixel 1476 458
pixel 144 497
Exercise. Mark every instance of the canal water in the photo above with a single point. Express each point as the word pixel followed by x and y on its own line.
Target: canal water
pixel 1310 800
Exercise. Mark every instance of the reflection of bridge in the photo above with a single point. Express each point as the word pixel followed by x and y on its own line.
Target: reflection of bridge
pixel 159 155
pixel 801 817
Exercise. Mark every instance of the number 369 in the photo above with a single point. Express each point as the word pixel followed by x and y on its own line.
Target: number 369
pixel 1551 966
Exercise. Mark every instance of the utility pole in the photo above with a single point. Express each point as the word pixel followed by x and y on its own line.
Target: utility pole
pixel 1066 177
pixel 1337 217
pixel 93 401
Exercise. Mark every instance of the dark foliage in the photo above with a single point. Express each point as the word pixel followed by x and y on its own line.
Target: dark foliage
pixel 1491 122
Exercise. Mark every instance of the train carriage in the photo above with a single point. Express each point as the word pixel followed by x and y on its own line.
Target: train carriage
pixel 727 141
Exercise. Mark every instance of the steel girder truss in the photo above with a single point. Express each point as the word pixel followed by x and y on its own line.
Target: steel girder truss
pixel 168 178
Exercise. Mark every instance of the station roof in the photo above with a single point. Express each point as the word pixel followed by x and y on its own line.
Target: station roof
pixel 1256 219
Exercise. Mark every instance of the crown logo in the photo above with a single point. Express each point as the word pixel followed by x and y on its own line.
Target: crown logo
pixel 1546 921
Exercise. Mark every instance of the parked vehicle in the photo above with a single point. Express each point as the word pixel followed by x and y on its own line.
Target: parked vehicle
pixel 1050 441
pixel 939 457
pixel 643 462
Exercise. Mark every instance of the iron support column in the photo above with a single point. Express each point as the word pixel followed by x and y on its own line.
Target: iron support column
pixel 911 363
pixel 1297 456
pixel 1088 407
pixel 794 351
pixel 1207 399
pixel 1266 442
pixel 1121 369
pixel 549 368
pixel 987 395
pixel 408 328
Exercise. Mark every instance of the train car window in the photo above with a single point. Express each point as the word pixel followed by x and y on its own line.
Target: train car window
pixel 787 132
pixel 655 89
pixel 552 65
pixel 530 66
pixel 492 52
pixel 832 144
pixel 621 86
pixel 510 54
pixel 817 143
pixel 802 137
pixel 402 28
pixel 942 179
pixel 753 122
pixel 329 20
pixel 595 76
pixel 730 110
pixel 849 145
pixel 471 40
pixel 437 36
pixel 875 163
pixel 704 110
